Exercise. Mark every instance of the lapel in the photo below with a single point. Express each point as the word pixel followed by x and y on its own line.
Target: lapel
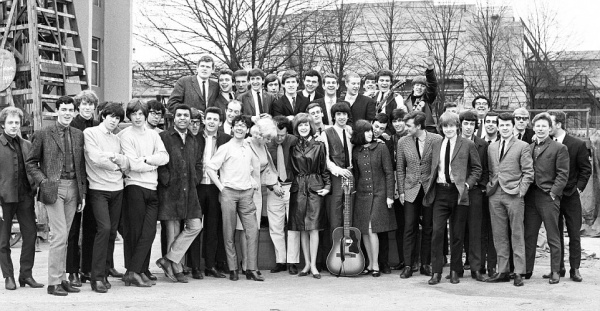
pixel 54 135
pixel 456 147
pixel 494 150
pixel 509 144
pixel 210 89
pixel 196 86
pixel 427 146
pixel 5 142
pixel 544 147
pixel 250 100
pixel 288 104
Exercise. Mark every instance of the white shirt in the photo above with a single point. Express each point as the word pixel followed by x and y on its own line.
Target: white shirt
pixel 441 177
pixel 291 99
pixel 560 138
pixel 227 128
pixel 255 98
pixel 183 135
pixel 329 102
pixel 310 96
pixel 351 99
pixel 333 168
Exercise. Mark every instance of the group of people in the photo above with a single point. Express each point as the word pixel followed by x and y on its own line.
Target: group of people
pixel 229 157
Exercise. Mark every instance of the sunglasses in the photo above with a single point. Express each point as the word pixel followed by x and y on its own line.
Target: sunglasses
pixel 521 118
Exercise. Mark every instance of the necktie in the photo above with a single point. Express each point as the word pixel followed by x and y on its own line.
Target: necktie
pixel 230 97
pixel 447 162
pixel 519 136
pixel 418 148
pixel 479 128
pixel 293 104
pixel 281 164
pixel 346 154
pixel 260 108
pixel 489 142
pixel 502 150
pixel 204 92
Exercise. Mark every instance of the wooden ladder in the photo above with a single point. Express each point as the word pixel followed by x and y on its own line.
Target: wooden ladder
pixel 44 37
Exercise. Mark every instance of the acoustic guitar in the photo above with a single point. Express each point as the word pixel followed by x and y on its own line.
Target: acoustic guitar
pixel 346 257
pixel 380 107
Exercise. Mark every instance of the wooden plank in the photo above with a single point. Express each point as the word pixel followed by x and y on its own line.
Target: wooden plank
pixel 55 62
pixel 34 58
pixel 17 92
pixel 56 46
pixel 11 15
pixel 52 29
pixel 79 58
pixel 60 80
pixel 59 13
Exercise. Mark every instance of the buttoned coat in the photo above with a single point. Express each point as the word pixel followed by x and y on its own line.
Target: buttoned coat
pixel 413 172
pixel 248 105
pixel 514 172
pixel 482 147
pixel 10 168
pixel 580 167
pixel 177 180
pixel 46 159
pixel 374 183
pixel 551 166
pixel 465 168
pixel 188 91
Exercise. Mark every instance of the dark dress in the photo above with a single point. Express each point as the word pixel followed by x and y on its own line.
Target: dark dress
pixel 307 208
pixel 374 183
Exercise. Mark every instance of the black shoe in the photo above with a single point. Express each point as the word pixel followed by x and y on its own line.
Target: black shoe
pixel 197 274
pixel 499 277
pixel 68 288
pixel 165 265
pixel 74 279
pixel 554 278
pixel 214 273
pixel 9 283
pixel 385 268
pixel 132 278
pixel 114 273
pixel 293 270
pixel 415 267
pixel 491 272
pixel 460 274
pixel 481 277
pixel 84 277
pixel 253 275
pixel 222 267
pixel 233 275
pixel 278 268
pixel 527 275
pixel 303 273
pixel 107 283
pixel 426 270
pixel 57 290
pixel 318 276
pixel 150 276
pixel 467 266
pixel 512 275
pixel 435 279
pixel 376 273
pixel 99 287
pixel 406 273
pixel 518 280
pixel 31 282
pixel 366 271
pixel 561 272
pixel 575 276
pixel 399 266
pixel 454 278
pixel 181 278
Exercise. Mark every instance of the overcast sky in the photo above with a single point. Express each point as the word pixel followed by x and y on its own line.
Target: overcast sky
pixel 580 20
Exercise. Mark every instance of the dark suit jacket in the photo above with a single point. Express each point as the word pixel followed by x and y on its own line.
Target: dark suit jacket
pixel 527 136
pixel 514 172
pixel 248 105
pixel 363 109
pixel 288 143
pixel 81 124
pixel 283 107
pixel 9 170
pixel 46 158
pixel 482 147
pixel 580 168
pixel 464 164
pixel 551 166
pixel 222 138
pixel 221 103
pixel 189 92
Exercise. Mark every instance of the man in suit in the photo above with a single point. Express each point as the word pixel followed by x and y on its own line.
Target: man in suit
pixel 478 233
pixel 234 109
pixel 542 203
pixel 213 248
pixel 455 169
pixel 240 77
pixel 196 91
pixel 580 170
pixel 288 104
pixel 522 131
pixel 511 172
pixel 316 111
pixel 413 169
pixel 312 81
pixel 481 105
pixel 16 197
pixel 330 84
pixel 56 164
pixel 384 101
pixel 362 107
pixel 256 102
pixel 226 93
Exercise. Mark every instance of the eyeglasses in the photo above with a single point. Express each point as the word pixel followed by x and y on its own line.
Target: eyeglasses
pixel 155 113
pixel 481 103
pixel 196 123
pixel 521 118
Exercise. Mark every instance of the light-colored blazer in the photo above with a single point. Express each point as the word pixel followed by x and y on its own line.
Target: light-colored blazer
pixel 411 171
pixel 514 172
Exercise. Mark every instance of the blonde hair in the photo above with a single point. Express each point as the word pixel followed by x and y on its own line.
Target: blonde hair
pixel 265 128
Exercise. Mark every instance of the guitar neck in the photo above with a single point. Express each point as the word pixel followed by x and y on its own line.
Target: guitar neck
pixel 347 204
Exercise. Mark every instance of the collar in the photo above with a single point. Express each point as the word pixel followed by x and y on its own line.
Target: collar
pixel 452 140
pixel 206 135
pixel 423 137
pixel 561 137
pixel 306 94
pixel 506 140
pixel 329 99
pixel 104 129
pixel 175 131
pixel 61 127
pixel 200 80
pixel 348 96
pixel 290 98
pixel 10 138
pixel 540 143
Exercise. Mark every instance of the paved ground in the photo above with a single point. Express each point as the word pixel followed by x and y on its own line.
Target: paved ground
pixel 284 292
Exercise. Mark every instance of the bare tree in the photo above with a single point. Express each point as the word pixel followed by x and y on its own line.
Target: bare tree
pixel 385 46
pixel 489 34
pixel 237 33
pixel 441 28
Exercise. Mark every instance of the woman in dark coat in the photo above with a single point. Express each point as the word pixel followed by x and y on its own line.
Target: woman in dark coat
pixel 374 184
pixel 311 183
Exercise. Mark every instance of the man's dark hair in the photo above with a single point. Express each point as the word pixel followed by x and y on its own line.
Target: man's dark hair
pixel 480 97
pixel 398 114
pixel 226 71
pixel 244 119
pixel 449 105
pixel 283 122
pixel 468 116
pixel 340 106
pixel 256 72
pixel 133 106
pixel 313 73
pixel 371 76
pixel 182 107
pixel 542 116
pixel 313 105
pixel 215 110
pixel 115 110
pixel 195 114
pixel 64 100
pixel 240 73
pixel 505 116
pixel 360 127
pixel 559 117
pixel 288 75
pixel 206 59
pixel 418 117
pixel 155 105
pixel 381 118
pixel 270 78
pixel 385 73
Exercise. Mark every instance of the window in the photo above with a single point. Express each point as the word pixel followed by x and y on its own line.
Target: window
pixel 95 62
pixel 98 3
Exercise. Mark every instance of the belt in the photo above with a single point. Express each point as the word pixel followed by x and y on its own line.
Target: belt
pixel 447 185
pixel 67 175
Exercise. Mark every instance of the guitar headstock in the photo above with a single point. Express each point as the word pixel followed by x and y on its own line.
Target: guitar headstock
pixel 347 184
pixel 398 85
